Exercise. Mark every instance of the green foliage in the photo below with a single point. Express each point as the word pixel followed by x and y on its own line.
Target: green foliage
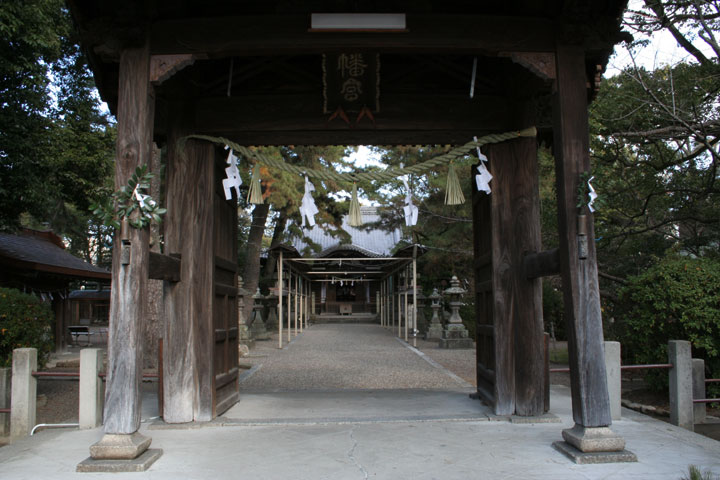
pixel 25 322
pixel 694 473
pixel 31 39
pixel 553 310
pixel 56 143
pixel 124 204
pixel 676 299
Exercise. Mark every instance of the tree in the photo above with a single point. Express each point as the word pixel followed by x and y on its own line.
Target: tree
pixel 283 192
pixel 56 145
pixel 32 34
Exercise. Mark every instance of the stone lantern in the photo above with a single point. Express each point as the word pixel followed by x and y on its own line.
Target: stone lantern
pixel 455 335
pixel 271 301
pixel 257 327
pixel 435 332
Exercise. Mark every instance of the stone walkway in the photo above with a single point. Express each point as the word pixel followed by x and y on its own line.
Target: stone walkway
pixel 344 356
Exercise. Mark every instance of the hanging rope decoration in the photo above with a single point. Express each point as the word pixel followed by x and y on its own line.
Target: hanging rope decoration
pixel 453 191
pixel 355 219
pixel 255 192
pixel 385 175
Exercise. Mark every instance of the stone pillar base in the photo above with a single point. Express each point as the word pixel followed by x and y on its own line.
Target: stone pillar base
pixel 258 330
pixel 455 336
pixel 435 332
pixel 120 446
pixel 593 439
pixel 594 445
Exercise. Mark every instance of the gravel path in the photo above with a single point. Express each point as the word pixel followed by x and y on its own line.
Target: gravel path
pixel 337 356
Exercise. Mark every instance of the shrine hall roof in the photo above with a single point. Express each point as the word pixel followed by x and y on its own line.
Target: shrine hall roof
pixel 368 242
pixel 43 252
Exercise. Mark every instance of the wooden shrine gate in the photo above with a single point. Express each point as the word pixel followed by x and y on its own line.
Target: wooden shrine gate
pixel 253 72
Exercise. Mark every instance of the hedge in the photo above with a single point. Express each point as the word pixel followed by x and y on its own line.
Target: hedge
pixel 25 321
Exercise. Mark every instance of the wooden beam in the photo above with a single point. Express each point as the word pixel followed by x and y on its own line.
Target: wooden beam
pixel 164 267
pixel 542 264
pixel 581 293
pixel 129 278
pixel 303 112
pixel 288 34
pixel 163 67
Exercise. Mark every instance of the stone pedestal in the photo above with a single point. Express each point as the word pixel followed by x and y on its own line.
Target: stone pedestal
pixel 594 445
pixel 271 301
pixel 120 453
pixel 455 336
pixel 120 447
pixel 257 326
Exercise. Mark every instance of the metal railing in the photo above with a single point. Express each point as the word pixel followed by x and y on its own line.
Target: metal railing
pixel 651 366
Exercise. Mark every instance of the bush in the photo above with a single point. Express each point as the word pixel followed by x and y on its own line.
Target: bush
pixel 553 310
pixel 25 321
pixel 676 299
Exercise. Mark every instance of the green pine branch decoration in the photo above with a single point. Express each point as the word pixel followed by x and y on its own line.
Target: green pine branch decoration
pixel 131 202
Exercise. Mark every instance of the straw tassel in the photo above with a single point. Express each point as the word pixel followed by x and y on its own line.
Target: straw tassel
pixel 453 191
pixel 255 192
pixel 355 214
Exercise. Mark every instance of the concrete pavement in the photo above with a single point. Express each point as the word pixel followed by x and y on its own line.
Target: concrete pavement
pixel 362 433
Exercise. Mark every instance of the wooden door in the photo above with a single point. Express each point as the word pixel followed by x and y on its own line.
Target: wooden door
pixel 485 326
pixel 224 308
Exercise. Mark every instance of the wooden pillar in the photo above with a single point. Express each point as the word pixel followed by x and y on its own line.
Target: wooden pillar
pixel 591 406
pixel 289 304
pixel 280 299
pixel 515 214
pixel 405 301
pixel 188 348
pixel 129 276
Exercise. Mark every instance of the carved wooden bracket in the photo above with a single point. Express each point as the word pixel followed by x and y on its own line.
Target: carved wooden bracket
pixel 163 67
pixel 541 64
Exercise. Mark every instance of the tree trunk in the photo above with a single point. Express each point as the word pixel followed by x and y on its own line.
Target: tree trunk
pixel 251 273
pixel 277 237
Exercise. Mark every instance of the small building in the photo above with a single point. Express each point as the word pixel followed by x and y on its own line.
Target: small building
pixel 37 262
pixel 346 278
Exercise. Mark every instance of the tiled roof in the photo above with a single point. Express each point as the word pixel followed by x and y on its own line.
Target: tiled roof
pixel 42 254
pixel 373 243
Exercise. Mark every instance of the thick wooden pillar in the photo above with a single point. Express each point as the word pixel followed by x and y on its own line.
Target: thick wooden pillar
pixel 188 341
pixel 515 214
pixel 130 273
pixel 591 406
pixel 516 310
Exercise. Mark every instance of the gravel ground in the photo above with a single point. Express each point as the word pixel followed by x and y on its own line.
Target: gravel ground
pixel 337 356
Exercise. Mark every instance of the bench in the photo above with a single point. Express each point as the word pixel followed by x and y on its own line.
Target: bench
pixel 77 332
